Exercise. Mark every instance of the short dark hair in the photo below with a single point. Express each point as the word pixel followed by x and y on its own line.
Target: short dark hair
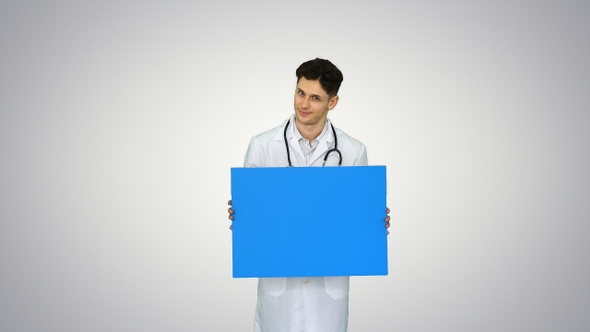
pixel 329 75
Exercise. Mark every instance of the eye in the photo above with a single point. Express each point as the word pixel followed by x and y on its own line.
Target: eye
pixel 300 93
pixel 316 98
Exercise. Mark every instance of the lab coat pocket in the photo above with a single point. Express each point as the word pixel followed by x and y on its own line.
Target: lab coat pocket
pixel 272 286
pixel 337 287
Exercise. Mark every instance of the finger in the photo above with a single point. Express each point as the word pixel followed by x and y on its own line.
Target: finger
pixel 230 228
pixel 387 219
pixel 387 211
pixel 387 225
pixel 229 202
pixel 230 217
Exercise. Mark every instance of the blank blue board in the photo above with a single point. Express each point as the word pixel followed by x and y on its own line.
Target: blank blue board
pixel 309 221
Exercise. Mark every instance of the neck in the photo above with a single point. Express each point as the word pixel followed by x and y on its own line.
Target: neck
pixel 310 132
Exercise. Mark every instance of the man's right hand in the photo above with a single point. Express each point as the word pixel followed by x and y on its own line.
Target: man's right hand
pixel 230 212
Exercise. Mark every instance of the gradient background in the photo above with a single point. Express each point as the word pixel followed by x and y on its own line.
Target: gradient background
pixel 120 121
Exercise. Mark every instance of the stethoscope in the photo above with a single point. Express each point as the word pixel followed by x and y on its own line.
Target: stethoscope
pixel 335 149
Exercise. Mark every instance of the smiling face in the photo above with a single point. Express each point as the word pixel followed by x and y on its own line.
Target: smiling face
pixel 312 104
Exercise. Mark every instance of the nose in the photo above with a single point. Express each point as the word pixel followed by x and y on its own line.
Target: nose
pixel 305 102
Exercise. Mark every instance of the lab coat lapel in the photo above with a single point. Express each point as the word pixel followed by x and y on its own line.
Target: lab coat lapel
pixel 296 153
pixel 326 143
pixel 297 158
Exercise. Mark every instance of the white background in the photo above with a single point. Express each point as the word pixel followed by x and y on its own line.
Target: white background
pixel 119 122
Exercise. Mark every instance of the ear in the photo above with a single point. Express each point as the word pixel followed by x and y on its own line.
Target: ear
pixel 333 102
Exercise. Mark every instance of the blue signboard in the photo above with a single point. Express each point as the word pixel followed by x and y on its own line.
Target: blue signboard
pixel 309 221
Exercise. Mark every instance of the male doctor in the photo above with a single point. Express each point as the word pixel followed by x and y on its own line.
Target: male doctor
pixel 306 304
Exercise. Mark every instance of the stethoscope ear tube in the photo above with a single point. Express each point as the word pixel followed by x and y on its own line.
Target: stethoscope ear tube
pixel 287 143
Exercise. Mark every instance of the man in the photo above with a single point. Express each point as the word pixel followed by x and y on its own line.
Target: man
pixel 306 139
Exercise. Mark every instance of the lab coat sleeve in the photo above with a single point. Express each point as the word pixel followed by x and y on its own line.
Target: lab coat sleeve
pixel 253 155
pixel 362 160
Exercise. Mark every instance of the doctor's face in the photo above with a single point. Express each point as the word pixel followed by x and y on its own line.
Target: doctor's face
pixel 312 103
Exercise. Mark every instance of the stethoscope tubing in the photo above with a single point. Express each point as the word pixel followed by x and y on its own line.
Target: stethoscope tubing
pixel 335 149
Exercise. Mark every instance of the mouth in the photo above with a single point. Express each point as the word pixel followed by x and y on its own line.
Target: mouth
pixel 303 113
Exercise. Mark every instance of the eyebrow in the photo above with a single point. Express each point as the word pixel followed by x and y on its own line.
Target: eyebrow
pixel 313 95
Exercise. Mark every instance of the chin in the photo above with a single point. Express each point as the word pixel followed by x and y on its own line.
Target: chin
pixel 306 122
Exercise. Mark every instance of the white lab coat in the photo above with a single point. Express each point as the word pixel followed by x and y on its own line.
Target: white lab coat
pixel 302 304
